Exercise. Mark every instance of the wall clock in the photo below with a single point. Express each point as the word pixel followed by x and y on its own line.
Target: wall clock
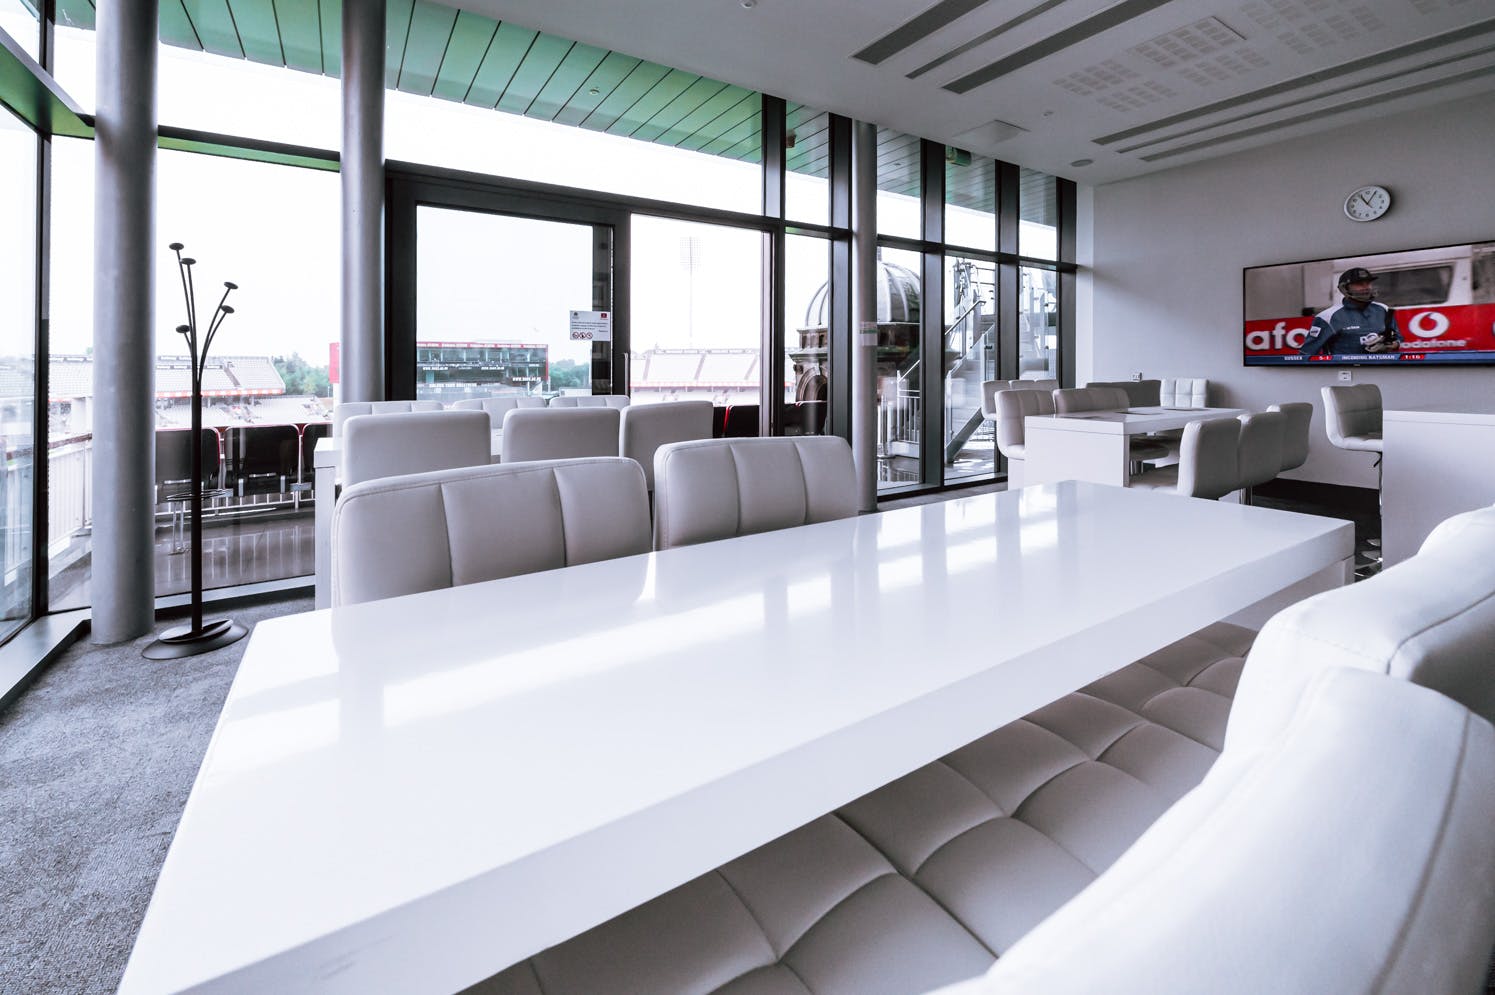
pixel 1367 204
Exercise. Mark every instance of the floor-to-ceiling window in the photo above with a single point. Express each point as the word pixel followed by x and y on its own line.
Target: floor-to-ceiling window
pixel 18 219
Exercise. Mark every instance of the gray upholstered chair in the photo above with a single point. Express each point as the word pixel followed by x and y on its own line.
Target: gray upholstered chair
pixel 1207 462
pixel 559 433
pixel 989 391
pixel 616 401
pixel 402 535
pixel 1077 400
pixel 352 409
pixel 1259 449
pixel 391 445
pixel 1013 406
pixel 497 407
pixel 719 488
pixel 646 427
pixel 1298 418
pixel 1140 393
pixel 1048 385
pixel 1185 392
pixel 1352 416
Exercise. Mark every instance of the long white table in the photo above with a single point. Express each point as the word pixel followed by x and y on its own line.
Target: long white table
pixel 410 795
pixel 1093 445
pixel 325 461
pixel 1439 460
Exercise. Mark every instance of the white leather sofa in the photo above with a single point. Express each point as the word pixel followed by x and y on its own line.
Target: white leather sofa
pixel 402 535
pixel 1343 844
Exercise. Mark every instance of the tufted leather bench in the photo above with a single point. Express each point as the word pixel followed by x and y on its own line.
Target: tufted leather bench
pixel 1341 843
pixel 926 880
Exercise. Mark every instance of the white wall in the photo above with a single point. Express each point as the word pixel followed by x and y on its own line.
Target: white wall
pixel 1164 276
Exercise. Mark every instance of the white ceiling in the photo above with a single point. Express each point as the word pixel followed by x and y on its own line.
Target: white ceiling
pixel 1069 82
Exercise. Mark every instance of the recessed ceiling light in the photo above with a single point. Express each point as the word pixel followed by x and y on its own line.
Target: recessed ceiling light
pixel 1082 162
pixel 749 4
pixel 1048 113
pixel 594 91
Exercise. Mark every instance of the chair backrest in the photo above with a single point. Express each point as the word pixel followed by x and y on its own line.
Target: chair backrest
pixel 1185 392
pixel 1048 385
pixel 618 401
pixel 413 442
pixel 648 426
pixel 719 488
pixel 741 422
pixel 1012 407
pixel 1352 411
pixel 559 433
pixel 434 530
pixel 1207 461
pixel 1070 400
pixel 989 391
pixel 174 455
pixel 1139 393
pixel 1298 417
pixel 1259 450
pixel 351 409
pixel 497 407
pixel 311 434
pixel 1352 853
pixel 1429 620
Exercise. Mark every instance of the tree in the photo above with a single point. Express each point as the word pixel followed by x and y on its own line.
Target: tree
pixel 570 373
pixel 301 377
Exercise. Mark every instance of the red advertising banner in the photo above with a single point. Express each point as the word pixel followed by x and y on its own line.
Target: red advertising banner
pixel 334 366
pixel 1440 329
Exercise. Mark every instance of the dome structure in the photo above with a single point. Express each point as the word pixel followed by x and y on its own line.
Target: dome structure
pixel 897 298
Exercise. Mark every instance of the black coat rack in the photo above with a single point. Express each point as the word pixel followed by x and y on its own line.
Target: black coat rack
pixel 197 636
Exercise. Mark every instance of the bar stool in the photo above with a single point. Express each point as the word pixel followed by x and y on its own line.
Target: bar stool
pixel 1352 416
pixel 1259 452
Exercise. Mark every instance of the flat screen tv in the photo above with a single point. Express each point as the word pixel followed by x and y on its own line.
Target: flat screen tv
pixel 1442 300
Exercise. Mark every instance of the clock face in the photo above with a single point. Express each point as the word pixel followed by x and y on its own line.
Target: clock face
pixel 1367 203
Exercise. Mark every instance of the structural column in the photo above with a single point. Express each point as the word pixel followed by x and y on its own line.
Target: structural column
pixel 361 347
pixel 125 250
pixel 864 311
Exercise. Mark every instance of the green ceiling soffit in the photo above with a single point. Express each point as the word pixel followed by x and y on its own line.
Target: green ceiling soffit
pixel 33 97
pixel 438 51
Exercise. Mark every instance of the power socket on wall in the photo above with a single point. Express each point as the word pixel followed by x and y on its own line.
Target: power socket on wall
pixel 1345 376
pixel 1137 376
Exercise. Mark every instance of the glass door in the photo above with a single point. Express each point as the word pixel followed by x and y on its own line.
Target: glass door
pixel 510 306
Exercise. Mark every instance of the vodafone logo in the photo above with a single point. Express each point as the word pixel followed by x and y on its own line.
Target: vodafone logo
pixel 1428 324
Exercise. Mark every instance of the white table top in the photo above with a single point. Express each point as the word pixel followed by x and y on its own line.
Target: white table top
pixel 1129 421
pixel 409 795
pixel 1467 413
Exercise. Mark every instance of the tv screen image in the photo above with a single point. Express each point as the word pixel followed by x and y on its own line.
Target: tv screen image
pixel 1441 300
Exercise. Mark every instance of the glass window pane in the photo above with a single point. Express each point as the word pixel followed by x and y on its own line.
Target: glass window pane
pixel 970 200
pixel 443 133
pixel 807 148
pixel 696 325
pixel 898 185
pixel 19 20
pixel 267 388
pixel 18 366
pixel 807 368
pixel 468 346
pixel 1038 215
pixel 1038 324
pixel 970 359
pixel 899 405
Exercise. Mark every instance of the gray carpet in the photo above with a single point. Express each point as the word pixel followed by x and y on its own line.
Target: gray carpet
pixel 96 760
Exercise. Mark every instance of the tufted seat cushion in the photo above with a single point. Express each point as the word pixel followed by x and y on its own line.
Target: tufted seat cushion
pixel 720 488
pixel 924 881
pixel 1350 852
pixel 1184 392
